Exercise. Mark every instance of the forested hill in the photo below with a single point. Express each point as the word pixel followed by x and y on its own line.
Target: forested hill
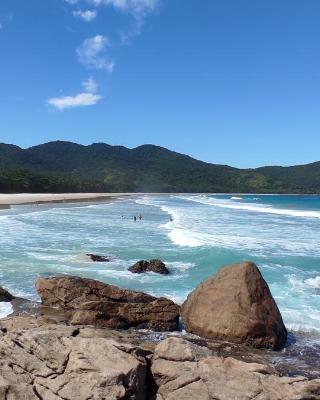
pixel 69 167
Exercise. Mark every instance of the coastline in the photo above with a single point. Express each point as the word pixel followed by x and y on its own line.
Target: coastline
pixel 8 200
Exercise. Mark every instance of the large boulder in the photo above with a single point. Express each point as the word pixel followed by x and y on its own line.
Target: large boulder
pixel 156 266
pixel 186 371
pixel 55 362
pixel 235 305
pixel 95 303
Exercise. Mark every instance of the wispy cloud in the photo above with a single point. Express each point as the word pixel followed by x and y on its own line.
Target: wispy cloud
pixel 92 53
pixel 90 85
pixel 86 15
pixel 136 7
pixel 72 2
pixel 79 100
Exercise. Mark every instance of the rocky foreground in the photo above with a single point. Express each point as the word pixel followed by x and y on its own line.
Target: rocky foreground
pixel 69 352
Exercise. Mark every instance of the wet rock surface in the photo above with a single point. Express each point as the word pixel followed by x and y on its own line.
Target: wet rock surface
pixel 92 302
pixel 235 305
pixel 156 266
pixel 5 295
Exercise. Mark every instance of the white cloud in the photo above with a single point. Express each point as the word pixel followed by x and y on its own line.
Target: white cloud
pixel 136 7
pixel 91 53
pixel 79 100
pixel 86 15
pixel 90 85
pixel 72 2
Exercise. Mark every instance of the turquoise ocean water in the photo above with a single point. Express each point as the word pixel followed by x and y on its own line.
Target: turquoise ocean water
pixel 280 233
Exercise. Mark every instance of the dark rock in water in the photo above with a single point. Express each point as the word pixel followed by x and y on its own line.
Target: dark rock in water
pixel 235 305
pixel 139 267
pixel 158 266
pixel 5 295
pixel 149 266
pixel 95 303
pixel 98 258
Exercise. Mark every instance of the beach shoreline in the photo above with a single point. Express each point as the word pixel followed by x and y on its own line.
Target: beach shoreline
pixel 8 200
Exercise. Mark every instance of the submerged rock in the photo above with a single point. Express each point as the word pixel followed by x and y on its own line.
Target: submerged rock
pixel 183 370
pixel 235 305
pixel 156 266
pixel 95 303
pixel 98 258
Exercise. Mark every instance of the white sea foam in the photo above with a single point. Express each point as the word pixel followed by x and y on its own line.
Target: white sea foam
pixel 235 198
pixel 183 237
pixel 300 327
pixel 179 266
pixel 314 282
pixel 255 207
pixel 5 309
pixel 192 226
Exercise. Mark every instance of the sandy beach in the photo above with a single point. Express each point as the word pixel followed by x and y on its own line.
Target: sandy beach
pixel 7 200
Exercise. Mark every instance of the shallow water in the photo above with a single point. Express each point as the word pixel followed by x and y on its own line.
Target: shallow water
pixel 280 233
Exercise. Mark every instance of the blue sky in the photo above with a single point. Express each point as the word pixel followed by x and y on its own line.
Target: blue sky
pixel 231 81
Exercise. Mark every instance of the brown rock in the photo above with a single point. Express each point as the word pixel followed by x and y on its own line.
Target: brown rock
pixel 5 295
pixel 56 363
pixel 49 361
pixel 95 303
pixel 156 266
pixel 186 371
pixel 235 305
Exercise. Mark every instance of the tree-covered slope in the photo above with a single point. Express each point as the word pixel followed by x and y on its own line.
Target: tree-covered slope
pixel 64 166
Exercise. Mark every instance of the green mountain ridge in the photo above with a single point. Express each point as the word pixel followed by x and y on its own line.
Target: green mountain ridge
pixel 69 167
